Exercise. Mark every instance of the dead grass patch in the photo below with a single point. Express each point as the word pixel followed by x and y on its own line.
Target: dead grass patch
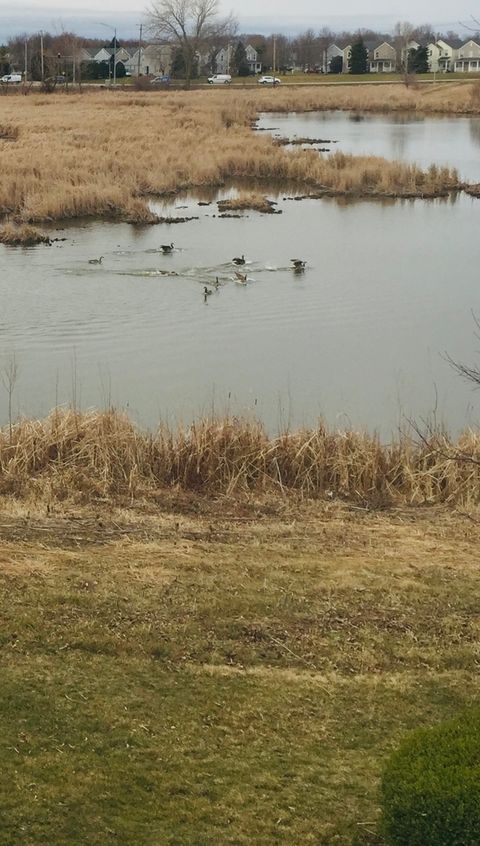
pixel 248 201
pixel 77 156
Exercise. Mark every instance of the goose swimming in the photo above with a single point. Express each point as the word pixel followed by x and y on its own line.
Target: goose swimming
pixel 239 260
pixel 96 261
pixel 167 248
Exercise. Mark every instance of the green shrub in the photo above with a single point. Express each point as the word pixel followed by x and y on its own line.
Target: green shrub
pixel 431 786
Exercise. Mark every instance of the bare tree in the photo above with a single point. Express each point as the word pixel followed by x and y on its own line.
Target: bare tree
pixel 403 34
pixel 190 25
pixel 325 38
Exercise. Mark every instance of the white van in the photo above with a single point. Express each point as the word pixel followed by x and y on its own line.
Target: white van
pixel 11 77
pixel 220 79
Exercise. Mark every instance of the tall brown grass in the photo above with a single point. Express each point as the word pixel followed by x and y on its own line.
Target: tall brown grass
pixel 102 454
pixel 22 235
pixel 104 154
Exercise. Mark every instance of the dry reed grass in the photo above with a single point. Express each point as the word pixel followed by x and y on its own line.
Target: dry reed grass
pixel 104 153
pixel 22 235
pixel 8 132
pixel 446 98
pixel 247 201
pixel 102 454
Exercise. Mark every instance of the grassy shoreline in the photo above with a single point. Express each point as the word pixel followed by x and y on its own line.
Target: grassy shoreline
pixel 96 455
pixel 72 156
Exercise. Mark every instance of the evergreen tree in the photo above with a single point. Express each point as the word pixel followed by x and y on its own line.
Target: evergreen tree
pixel 418 62
pixel 240 60
pixel 4 63
pixel 336 65
pixel 178 65
pixel 359 58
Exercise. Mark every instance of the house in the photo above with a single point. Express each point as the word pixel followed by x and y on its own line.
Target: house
pixel 441 56
pixel 332 52
pixel 467 58
pixel 151 60
pixel 224 59
pixel 384 58
pixel 106 55
pixel 82 55
pixel 103 55
pixel 346 56
pixel 254 65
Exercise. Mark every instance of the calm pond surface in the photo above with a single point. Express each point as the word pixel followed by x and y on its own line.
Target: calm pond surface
pixel 359 337
pixel 443 140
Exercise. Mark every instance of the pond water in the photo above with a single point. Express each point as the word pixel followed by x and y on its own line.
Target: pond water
pixel 424 139
pixel 359 337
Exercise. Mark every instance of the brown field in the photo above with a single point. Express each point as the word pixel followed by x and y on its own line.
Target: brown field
pixel 102 454
pixel 104 153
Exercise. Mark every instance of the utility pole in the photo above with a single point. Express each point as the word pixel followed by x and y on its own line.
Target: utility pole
pixel 25 75
pixel 115 59
pixel 274 54
pixel 139 49
pixel 42 67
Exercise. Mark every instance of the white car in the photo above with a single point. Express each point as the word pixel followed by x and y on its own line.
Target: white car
pixel 269 80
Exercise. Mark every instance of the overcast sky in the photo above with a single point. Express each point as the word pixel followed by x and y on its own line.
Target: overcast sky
pixel 83 16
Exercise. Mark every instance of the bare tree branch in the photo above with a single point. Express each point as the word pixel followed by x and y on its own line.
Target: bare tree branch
pixel 190 24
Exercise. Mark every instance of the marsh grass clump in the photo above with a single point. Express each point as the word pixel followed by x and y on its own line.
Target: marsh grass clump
pixel 248 202
pixel 8 132
pixel 105 454
pixel 22 235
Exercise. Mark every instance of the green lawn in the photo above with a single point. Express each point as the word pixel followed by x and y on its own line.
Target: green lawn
pixel 182 679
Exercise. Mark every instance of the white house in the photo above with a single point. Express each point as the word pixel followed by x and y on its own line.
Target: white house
pixel 223 59
pixel 332 52
pixel 440 56
pixel 467 58
pixel 155 60
pixel 103 55
pixel 254 65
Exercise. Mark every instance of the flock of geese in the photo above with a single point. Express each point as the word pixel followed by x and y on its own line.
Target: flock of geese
pixel 298 265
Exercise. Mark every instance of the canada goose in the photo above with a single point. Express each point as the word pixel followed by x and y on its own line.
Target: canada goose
pixel 298 263
pixel 216 283
pixel 241 277
pixel 206 291
pixel 167 248
pixel 238 260
pixel 96 261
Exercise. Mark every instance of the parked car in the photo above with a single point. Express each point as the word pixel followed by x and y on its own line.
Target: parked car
pixel 160 80
pixel 269 80
pixel 220 79
pixel 60 80
pixel 11 77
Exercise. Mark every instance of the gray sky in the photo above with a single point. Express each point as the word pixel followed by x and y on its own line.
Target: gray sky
pixel 83 16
